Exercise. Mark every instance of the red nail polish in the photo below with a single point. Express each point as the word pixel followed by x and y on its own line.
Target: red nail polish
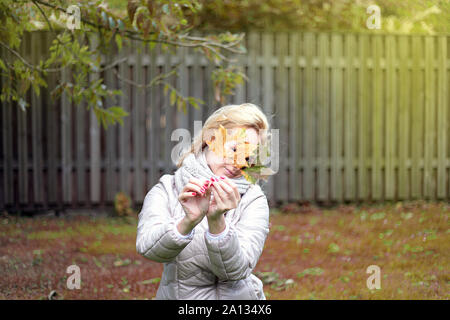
pixel 222 177
pixel 194 193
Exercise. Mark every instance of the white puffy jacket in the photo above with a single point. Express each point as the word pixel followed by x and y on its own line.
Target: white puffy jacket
pixel 201 265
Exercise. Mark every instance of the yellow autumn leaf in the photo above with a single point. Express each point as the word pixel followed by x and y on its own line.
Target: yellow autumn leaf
pixel 243 149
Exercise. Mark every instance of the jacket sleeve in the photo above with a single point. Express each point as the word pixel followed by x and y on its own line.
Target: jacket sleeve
pixel 157 238
pixel 234 255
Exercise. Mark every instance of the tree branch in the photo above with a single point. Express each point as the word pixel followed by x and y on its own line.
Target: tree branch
pixel 136 36
pixel 25 62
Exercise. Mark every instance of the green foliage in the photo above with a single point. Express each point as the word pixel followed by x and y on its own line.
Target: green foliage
pixel 75 54
pixel 151 281
pixel 311 271
pixel 276 282
pixel 333 248
pixel 408 16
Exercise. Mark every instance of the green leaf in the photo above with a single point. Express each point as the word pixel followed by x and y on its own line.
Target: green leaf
pixel 118 111
pixel 173 97
pixel 112 22
pixel 150 281
pixel 407 215
pixel 377 216
pixel 333 248
pixel 311 271
pixel 121 25
pixel 2 65
pixel 118 39
pixel 166 89
pixel 104 17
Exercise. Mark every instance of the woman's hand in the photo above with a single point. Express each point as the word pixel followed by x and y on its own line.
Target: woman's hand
pixel 226 197
pixel 194 199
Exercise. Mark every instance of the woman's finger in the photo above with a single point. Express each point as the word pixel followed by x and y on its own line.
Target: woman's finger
pixel 186 195
pixel 226 192
pixel 192 187
pixel 199 182
pixel 221 192
pixel 217 198
pixel 233 186
pixel 228 189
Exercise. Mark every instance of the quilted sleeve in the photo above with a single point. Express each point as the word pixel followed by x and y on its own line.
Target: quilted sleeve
pixel 157 237
pixel 235 253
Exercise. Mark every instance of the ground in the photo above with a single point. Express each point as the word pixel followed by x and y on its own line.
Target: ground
pixel 310 253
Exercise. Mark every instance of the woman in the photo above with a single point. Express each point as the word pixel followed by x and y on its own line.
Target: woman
pixel 207 223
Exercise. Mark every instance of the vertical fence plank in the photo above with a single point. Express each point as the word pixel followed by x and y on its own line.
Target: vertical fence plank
pixel 139 124
pixel 430 125
pixel 363 116
pixel 94 146
pixel 336 123
pixel 323 120
pixel 22 141
pixel 22 156
pixel 7 136
pixel 417 114
pixel 267 84
pixel 36 116
pixel 3 110
pixel 281 104
pixel 81 152
pixel 66 141
pixel 294 152
pixel 309 118
pixel 254 73
pixel 168 116
pixel 377 118
pixel 52 136
pixel 350 97
pixel 124 131
pixel 197 85
pixel 239 96
pixel 80 157
pixel 391 115
pixel 403 118
pixel 110 132
pixel 152 151
pixel 182 116
pixel 443 126
pixel 208 95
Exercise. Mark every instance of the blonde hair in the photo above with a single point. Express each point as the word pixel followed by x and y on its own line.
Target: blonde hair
pixel 245 115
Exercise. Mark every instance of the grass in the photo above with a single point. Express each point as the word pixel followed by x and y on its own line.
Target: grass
pixel 311 253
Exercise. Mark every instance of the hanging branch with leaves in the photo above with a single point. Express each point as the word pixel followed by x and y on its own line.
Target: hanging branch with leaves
pixel 78 52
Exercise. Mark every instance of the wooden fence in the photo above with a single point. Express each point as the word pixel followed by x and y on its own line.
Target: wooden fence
pixel 361 118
